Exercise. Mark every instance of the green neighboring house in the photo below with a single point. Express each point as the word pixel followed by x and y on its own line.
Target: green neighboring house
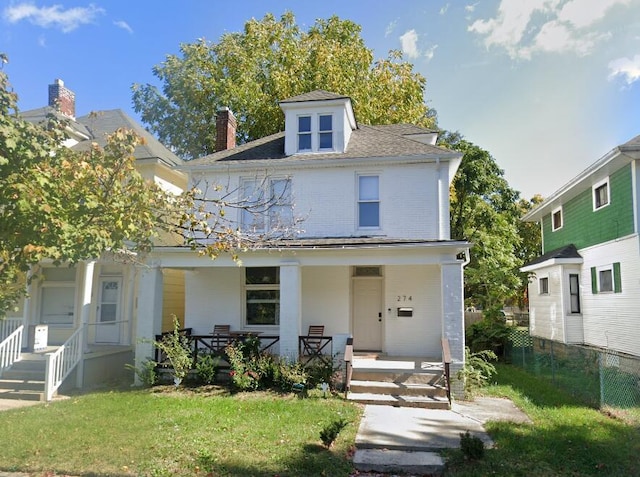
pixel 585 288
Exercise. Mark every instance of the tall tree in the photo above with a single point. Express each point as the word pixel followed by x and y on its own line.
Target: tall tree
pixel 270 60
pixel 486 211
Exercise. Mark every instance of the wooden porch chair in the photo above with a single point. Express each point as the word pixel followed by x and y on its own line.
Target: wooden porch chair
pixel 221 336
pixel 313 341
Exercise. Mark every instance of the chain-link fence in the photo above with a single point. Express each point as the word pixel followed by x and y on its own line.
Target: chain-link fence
pixel 599 378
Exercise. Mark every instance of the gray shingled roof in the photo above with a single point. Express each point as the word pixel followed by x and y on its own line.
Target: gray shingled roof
pixel 367 142
pixel 39 116
pixel 317 95
pixel 632 145
pixel 568 251
pixel 102 123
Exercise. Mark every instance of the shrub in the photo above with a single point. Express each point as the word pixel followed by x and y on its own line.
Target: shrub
pixel 207 368
pixel 477 369
pixel 176 346
pixel 146 373
pixel 329 433
pixel 489 333
pixel 472 447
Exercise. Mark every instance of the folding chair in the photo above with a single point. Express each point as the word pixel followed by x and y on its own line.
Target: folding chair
pixel 313 341
pixel 221 336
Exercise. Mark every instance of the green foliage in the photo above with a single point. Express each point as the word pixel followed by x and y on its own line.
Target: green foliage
pixel 472 447
pixel 146 373
pixel 329 433
pixel 477 370
pixel 250 369
pixel 270 60
pixel 489 333
pixel 207 368
pixel 176 347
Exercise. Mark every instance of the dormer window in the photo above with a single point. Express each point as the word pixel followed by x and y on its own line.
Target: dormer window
pixel 325 131
pixel 304 133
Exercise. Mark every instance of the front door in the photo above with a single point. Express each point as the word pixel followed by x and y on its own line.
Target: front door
pixel 108 313
pixel 367 314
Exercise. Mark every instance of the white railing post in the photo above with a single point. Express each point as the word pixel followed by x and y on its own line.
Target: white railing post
pixel 11 348
pixel 61 362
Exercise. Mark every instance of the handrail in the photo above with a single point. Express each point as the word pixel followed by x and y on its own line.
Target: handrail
pixel 446 361
pixel 61 362
pixel 348 362
pixel 11 349
pixel 8 326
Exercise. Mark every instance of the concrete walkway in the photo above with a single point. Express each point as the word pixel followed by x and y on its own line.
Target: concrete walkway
pixel 396 439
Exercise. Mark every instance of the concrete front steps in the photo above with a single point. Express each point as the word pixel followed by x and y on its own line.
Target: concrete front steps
pixel 398 381
pixel 25 379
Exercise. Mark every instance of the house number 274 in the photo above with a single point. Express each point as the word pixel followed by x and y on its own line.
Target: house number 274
pixel 404 298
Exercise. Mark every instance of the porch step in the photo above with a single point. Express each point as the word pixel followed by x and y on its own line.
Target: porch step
pixel 398 389
pixel 25 379
pixel 427 402
pixel 21 395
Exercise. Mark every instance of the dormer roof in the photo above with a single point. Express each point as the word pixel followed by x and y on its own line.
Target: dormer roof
pixel 317 95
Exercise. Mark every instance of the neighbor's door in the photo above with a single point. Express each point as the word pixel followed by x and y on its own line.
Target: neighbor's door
pixel 367 314
pixel 108 313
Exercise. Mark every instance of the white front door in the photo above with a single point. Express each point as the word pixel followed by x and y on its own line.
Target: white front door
pixel 108 314
pixel 367 314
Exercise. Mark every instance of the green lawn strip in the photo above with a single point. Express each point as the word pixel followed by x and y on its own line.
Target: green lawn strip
pixel 157 434
pixel 566 439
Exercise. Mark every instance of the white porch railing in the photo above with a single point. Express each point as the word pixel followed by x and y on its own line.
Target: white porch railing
pixel 61 362
pixel 11 349
pixel 8 326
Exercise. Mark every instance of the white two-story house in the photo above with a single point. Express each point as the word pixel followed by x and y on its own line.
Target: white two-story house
pixel 360 226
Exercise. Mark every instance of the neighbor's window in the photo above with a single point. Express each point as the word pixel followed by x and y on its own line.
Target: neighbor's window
pixel 601 194
pixel 304 133
pixel 325 131
pixel 262 295
pixel 605 280
pixel 574 292
pixel 543 286
pixel 368 201
pixel 556 219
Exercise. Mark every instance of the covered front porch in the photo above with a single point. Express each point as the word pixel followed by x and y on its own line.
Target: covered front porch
pixel 396 298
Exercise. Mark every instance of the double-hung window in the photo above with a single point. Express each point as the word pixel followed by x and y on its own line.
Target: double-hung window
pixel 304 133
pixel 556 219
pixel 267 205
pixel 368 201
pixel 601 194
pixel 262 296
pixel 606 279
pixel 325 132
pixel 574 292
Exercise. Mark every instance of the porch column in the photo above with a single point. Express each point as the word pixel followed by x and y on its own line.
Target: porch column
pixel 149 313
pixel 290 309
pixel 453 318
pixel 85 311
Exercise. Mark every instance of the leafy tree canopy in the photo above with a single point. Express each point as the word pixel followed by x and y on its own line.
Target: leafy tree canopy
pixel 271 60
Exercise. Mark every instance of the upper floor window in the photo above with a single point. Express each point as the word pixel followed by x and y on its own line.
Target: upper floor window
pixel 601 194
pixel 368 201
pixel 304 133
pixel 267 205
pixel 556 219
pixel 325 131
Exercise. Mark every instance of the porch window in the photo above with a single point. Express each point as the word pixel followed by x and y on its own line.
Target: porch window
pixel 262 296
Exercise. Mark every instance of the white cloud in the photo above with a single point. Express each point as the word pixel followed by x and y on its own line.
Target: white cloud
pixel 390 27
pixel 52 17
pixel 628 68
pixel 526 27
pixel 444 9
pixel 430 52
pixel 124 25
pixel 471 7
pixel 409 42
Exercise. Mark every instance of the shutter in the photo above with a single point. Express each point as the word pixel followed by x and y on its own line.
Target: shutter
pixel 594 281
pixel 617 279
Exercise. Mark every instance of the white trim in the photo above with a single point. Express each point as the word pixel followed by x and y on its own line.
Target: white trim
pixel 597 186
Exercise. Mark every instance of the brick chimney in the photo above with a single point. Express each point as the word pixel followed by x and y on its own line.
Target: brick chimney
pixel 225 129
pixel 62 99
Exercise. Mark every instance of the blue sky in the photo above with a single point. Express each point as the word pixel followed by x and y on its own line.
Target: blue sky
pixel 546 86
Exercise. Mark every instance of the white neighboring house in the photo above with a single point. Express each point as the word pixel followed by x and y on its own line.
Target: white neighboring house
pixel 586 285
pixel 374 259
pixel 98 296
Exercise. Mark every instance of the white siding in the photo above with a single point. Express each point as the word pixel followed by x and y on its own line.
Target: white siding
pixel 612 320
pixel 326 200
pixel 546 311
pixel 421 333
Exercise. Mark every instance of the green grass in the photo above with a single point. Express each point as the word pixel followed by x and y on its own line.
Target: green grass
pixel 566 439
pixel 143 433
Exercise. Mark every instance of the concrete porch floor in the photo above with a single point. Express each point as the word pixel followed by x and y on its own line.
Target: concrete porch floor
pixel 368 360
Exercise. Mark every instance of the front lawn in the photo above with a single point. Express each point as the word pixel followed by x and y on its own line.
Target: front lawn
pixel 147 433
pixel 566 439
